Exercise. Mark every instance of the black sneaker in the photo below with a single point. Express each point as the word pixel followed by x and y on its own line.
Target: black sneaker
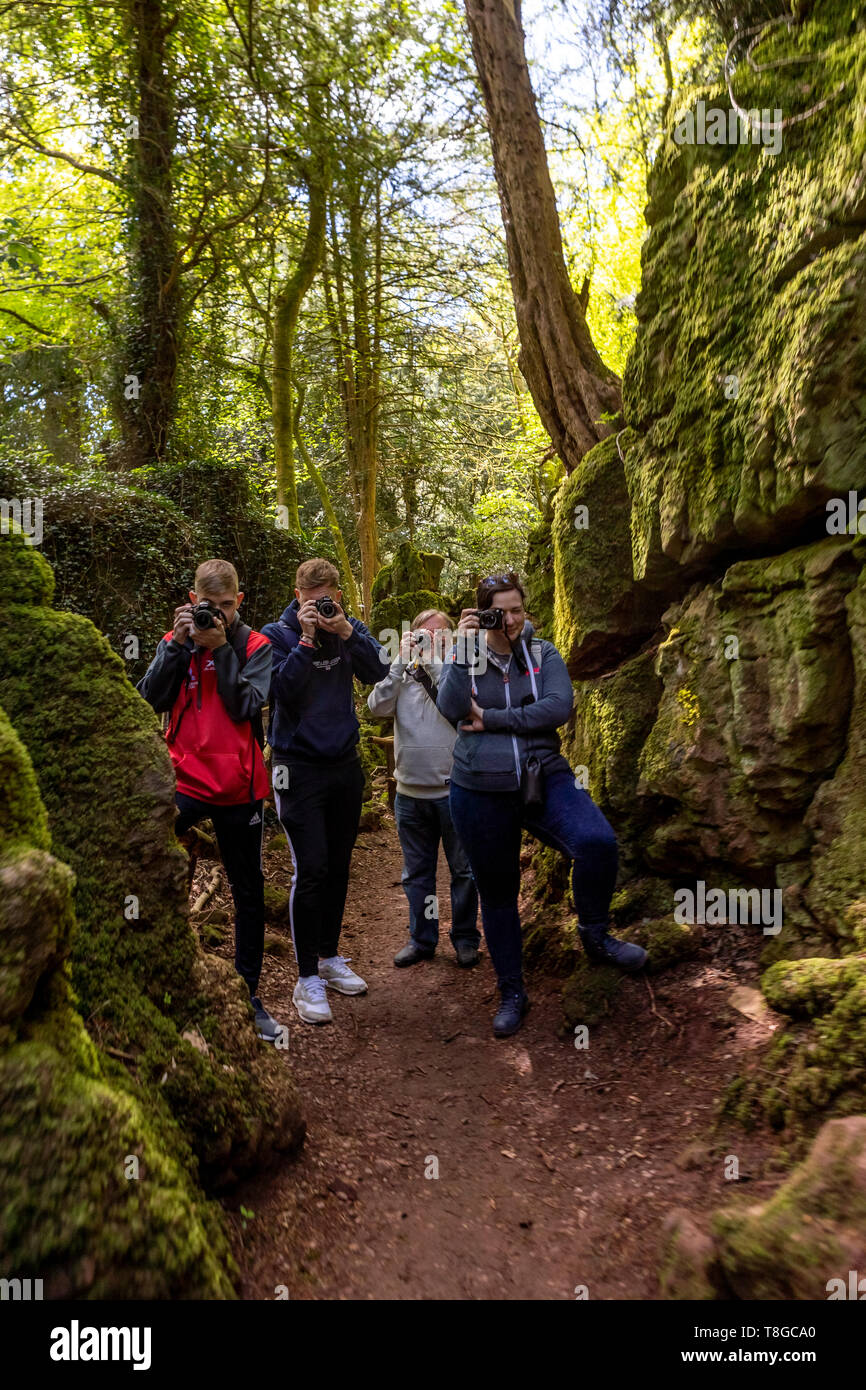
pixel 267 1027
pixel 412 953
pixel 509 1016
pixel 467 954
pixel 604 949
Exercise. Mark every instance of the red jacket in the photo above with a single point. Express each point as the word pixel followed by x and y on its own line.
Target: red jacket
pixel 215 709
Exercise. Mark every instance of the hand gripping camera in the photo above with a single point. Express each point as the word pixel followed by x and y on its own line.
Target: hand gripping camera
pixel 489 618
pixel 206 615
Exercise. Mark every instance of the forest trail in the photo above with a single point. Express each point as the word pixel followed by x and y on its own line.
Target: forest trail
pixel 557 1166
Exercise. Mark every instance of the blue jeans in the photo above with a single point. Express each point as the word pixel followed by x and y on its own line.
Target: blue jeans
pixel 490 825
pixel 421 824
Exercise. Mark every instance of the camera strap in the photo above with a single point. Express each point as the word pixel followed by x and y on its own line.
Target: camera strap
pixel 426 680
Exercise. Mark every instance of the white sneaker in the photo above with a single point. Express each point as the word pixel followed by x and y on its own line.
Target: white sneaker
pixel 310 1000
pixel 336 973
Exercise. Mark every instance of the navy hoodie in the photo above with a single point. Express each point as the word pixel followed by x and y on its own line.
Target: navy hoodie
pixel 312 693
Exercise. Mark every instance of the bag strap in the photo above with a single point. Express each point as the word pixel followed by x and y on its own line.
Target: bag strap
pixel 239 642
pixel 425 680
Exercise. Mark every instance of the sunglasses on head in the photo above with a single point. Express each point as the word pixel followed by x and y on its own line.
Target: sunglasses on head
pixel 509 578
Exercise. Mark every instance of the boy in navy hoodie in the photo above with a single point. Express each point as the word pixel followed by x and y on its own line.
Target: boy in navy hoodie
pixel 318 782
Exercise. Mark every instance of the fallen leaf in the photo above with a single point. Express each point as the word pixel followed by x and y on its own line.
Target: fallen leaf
pixel 750 1002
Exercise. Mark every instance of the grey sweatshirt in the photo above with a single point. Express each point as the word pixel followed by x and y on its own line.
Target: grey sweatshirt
pixel 423 738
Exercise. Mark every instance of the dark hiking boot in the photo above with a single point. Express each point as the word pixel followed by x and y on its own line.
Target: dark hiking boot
pixel 604 949
pixel 412 953
pixel 267 1027
pixel 467 954
pixel 515 1004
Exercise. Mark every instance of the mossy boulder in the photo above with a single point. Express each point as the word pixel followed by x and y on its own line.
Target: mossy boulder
pixel 745 387
pixel 600 613
pixel 819 1061
pixel 93 1201
pixel 390 613
pixel 95 744
pixel 410 570
pixel 405 587
pixel 836 817
pixel 799 1245
pixel 716 629
pixel 756 677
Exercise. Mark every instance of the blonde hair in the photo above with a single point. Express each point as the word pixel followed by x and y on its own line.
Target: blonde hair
pixel 313 573
pixel 216 577
pixel 431 613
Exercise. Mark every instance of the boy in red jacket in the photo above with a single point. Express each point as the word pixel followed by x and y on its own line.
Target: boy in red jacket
pixel 213 674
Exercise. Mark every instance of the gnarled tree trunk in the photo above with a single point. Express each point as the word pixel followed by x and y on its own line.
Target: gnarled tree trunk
pixel 570 385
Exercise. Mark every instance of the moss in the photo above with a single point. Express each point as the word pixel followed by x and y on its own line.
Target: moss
pixel 805 988
pixel 94 742
pixel 641 898
pixel 410 570
pixel 807 1232
pixel 589 992
pixel 124 551
pixel 819 1066
pixel 70 1214
pixel 393 611
pixel 666 942
pixel 22 814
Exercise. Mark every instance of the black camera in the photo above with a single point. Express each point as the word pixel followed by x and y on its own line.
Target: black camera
pixel 489 618
pixel 326 606
pixel 206 614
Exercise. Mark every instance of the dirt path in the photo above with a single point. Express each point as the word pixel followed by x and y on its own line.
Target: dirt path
pixel 556 1166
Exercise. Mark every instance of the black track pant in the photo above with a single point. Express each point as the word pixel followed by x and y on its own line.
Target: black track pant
pixel 238 831
pixel 319 809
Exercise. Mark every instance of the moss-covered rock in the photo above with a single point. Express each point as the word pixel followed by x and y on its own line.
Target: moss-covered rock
pixel 589 992
pixel 107 784
pixel 819 1062
pixel 799 1245
pixel 600 613
pixel 813 1230
pixel 93 1200
pixel 837 816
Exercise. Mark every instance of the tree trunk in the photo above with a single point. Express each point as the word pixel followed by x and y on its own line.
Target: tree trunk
pixel 346 576
pixel 152 340
pixel 356 339
pixel 287 307
pixel 570 385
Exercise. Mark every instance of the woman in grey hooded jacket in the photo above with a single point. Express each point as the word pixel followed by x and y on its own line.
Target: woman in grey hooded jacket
pixel 510 698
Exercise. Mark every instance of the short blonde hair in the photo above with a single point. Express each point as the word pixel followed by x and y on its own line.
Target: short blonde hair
pixel 431 613
pixel 216 577
pixel 313 573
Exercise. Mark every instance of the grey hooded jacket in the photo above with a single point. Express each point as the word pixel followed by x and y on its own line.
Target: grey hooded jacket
pixel 516 723
pixel 423 739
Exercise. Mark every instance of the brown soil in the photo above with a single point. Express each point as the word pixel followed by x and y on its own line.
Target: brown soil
pixel 556 1166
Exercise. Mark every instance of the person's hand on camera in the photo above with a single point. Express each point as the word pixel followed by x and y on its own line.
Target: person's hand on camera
pixel 210 637
pixel 408 646
pixel 468 621
pixel 308 617
pixel 183 624
pixel 475 724
pixel 339 624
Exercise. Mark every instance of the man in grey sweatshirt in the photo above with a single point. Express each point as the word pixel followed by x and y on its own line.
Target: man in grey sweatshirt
pixel 423 747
